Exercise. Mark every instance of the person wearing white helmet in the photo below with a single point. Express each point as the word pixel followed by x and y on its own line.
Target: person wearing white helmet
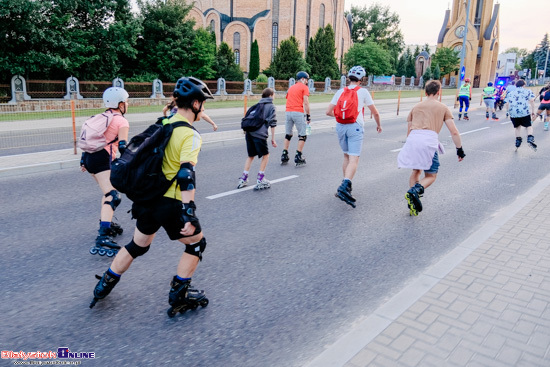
pixel 98 164
pixel 347 106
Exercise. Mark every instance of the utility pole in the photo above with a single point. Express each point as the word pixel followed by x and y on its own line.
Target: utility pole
pixel 546 62
pixel 464 39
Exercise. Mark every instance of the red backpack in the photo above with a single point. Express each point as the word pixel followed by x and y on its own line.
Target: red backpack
pixel 346 111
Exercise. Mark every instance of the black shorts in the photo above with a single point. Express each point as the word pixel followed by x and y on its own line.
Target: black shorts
pixel 164 212
pixel 524 121
pixel 97 162
pixel 256 146
pixel 544 106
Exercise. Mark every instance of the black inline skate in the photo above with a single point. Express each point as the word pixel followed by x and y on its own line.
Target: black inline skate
pixel 531 142
pixel 344 193
pixel 104 244
pixel 413 199
pixel 182 298
pixel 518 142
pixel 284 157
pixel 114 230
pixel 105 285
pixel 299 160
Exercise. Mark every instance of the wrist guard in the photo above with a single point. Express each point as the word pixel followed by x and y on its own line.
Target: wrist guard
pixel 122 146
pixel 460 152
pixel 82 160
pixel 308 117
pixel 188 215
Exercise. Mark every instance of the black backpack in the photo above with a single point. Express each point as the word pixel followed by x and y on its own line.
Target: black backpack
pixel 254 118
pixel 138 171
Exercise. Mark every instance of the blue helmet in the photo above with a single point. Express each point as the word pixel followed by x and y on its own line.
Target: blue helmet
pixel 192 88
pixel 490 84
pixel 302 74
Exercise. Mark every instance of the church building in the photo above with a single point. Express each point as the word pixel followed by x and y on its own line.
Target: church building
pixel 239 22
pixel 482 37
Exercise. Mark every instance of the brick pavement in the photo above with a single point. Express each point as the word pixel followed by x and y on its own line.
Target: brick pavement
pixel 484 304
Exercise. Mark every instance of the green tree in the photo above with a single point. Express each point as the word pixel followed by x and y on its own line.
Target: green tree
pixel 379 24
pixel 288 60
pixel 320 55
pixel 202 55
pixel 416 52
pixel 436 71
pixel 411 66
pixel 164 46
pixel 529 62
pixel 447 59
pixel 401 68
pixel 225 64
pixel 426 48
pixel 369 55
pixel 540 53
pixel 428 75
pixel 254 68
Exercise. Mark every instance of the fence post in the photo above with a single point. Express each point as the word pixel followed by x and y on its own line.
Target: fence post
pixel 220 88
pixel 271 83
pixel 342 82
pixel 18 90
pixel 118 83
pixel 74 124
pixel 158 91
pixel 327 85
pixel 311 85
pixel 73 88
pixel 291 82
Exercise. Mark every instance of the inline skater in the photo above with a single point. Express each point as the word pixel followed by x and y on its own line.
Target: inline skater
pixel 98 164
pixel 422 146
pixel 489 95
pixel 544 96
pixel 256 142
pixel 297 102
pixel 520 103
pixel 347 106
pixel 464 97
pixel 175 211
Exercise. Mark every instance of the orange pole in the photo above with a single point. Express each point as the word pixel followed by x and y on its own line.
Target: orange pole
pixel 398 101
pixel 74 124
pixel 245 103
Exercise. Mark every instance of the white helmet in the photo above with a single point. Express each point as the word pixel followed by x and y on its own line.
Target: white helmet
pixel 113 96
pixel 357 71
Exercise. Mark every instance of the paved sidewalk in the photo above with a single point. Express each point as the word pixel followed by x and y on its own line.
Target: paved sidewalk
pixel 484 304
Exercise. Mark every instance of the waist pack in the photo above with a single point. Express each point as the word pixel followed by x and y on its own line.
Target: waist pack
pixel 346 109
pixel 138 171
pixel 92 134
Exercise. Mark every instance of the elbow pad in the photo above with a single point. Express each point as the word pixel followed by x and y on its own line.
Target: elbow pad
pixel 186 177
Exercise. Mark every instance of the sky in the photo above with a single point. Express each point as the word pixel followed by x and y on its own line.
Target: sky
pixel 422 20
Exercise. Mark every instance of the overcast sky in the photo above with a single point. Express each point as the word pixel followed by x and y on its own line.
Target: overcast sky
pixel 421 20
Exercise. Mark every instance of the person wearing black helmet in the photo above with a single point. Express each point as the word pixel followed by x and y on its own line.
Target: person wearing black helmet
pixel 175 211
pixel 297 102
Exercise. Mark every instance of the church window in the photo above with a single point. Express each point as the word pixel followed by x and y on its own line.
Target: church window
pixel 237 47
pixel 212 25
pixel 237 57
pixel 322 16
pixel 274 39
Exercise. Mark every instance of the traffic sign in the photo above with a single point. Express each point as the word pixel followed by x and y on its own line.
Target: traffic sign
pixel 462 73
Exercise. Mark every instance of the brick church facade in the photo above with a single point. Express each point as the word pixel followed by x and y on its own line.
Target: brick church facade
pixel 482 41
pixel 239 22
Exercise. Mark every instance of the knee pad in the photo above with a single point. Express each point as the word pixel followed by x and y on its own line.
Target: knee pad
pixel 196 249
pixel 302 137
pixel 115 199
pixel 134 250
pixel 288 137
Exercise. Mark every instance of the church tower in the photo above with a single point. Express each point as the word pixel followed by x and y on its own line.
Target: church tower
pixel 482 39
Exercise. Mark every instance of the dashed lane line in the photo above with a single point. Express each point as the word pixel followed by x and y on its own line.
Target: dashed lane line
pixel 227 193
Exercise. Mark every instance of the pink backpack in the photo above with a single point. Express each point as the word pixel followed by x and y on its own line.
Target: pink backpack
pixel 92 134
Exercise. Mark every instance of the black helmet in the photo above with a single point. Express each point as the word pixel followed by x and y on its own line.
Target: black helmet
pixel 192 88
pixel 302 74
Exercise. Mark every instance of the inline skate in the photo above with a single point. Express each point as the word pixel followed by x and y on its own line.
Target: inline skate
pixel 299 160
pixel 104 244
pixel 105 285
pixel 182 298
pixel 344 193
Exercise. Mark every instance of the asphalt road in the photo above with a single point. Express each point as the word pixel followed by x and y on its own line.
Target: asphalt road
pixel 287 270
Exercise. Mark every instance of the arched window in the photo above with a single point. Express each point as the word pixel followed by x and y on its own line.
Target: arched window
pixel 236 47
pixel 212 25
pixel 322 16
pixel 274 39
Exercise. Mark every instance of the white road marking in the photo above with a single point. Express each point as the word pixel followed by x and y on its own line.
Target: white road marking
pixel 227 193
pixel 506 122
pixel 395 150
pixel 473 131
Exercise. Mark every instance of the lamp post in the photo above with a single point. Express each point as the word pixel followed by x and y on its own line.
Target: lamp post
pixel 464 39
pixel 546 62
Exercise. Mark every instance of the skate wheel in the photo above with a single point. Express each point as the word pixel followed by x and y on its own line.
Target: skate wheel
pixel 93 250
pixel 110 253
pixel 101 252
pixel 171 312
pixel 204 302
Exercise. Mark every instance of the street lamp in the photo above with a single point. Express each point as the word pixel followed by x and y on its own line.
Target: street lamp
pixel 464 39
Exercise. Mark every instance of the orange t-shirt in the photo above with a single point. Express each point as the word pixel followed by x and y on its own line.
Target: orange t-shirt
pixel 295 97
pixel 111 133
